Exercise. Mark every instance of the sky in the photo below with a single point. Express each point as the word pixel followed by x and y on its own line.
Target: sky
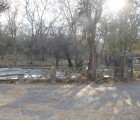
pixel 20 5
pixel 113 6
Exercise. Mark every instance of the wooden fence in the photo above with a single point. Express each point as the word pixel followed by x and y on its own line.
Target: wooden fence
pixel 39 73
pixel 58 74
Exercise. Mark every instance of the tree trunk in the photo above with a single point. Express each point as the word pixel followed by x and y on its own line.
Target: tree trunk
pixel 76 55
pixel 66 50
pixel 69 61
pixel 90 60
pixel 42 56
pixel 93 55
pixel 57 61
pixel 94 61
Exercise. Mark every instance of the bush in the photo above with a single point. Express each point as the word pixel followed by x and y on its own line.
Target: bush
pixel 136 74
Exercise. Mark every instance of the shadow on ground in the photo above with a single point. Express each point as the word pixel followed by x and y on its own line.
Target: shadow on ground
pixel 43 102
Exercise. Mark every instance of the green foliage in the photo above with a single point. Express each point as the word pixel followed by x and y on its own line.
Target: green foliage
pixel 135 48
pixel 120 32
pixel 136 74
pixel 84 42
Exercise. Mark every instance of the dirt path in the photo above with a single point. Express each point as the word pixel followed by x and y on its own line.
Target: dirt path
pixel 70 102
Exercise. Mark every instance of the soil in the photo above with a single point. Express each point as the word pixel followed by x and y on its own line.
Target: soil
pixel 109 101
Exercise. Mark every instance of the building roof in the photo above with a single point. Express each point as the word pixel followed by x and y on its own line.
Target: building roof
pixel 129 56
pixel 137 55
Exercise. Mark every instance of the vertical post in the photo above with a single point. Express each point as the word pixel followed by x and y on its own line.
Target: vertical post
pixel 132 69
pixel 53 74
pixel 21 77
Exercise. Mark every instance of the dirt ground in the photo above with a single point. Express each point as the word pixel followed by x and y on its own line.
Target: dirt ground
pixel 119 101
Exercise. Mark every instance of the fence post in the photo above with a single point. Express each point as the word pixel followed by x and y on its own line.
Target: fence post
pixel 53 74
pixel 131 70
pixel 20 77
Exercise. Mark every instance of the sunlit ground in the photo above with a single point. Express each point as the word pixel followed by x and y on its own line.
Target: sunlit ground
pixel 70 102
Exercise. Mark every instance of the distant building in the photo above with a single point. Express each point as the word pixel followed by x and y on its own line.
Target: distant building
pixel 137 58
pixel 123 62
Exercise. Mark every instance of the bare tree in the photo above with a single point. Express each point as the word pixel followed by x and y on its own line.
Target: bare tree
pixel 68 9
pixel 13 24
pixel 91 12
pixel 36 13
pixel 3 5
pixel 120 33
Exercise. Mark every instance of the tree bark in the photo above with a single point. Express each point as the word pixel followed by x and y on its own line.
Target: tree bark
pixel 93 54
pixel 69 61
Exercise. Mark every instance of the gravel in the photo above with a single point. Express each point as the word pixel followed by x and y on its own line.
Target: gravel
pixel 70 102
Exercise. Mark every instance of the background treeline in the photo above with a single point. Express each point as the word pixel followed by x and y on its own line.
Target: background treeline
pixel 54 31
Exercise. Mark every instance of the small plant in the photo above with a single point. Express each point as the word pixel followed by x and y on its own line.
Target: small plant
pixel 136 74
